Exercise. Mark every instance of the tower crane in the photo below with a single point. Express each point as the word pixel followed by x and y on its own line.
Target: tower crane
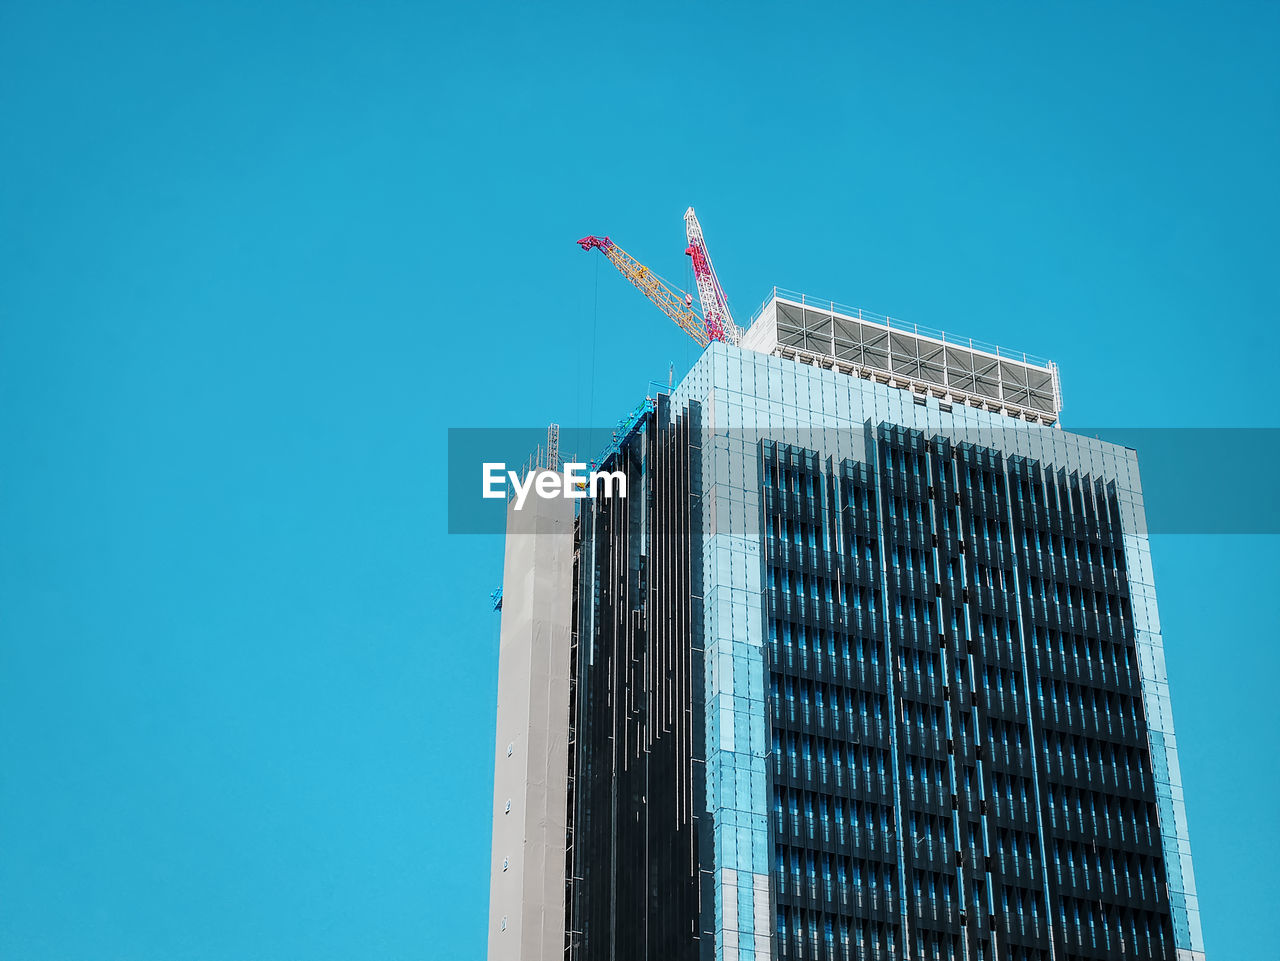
pixel 673 302
pixel 715 322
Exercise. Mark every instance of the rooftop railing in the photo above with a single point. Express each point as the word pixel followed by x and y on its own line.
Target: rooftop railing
pixel 895 324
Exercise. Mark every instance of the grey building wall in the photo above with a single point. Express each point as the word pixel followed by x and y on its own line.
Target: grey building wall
pixel 530 781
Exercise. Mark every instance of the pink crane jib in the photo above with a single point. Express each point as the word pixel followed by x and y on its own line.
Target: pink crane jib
pixel 715 305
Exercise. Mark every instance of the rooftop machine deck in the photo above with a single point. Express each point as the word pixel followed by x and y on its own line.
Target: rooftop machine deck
pixel 906 356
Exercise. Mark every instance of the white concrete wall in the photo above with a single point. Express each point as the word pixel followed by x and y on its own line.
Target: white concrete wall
pixel 762 335
pixel 531 752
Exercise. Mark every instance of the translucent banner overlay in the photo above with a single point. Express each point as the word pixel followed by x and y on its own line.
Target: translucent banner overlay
pixel 1195 480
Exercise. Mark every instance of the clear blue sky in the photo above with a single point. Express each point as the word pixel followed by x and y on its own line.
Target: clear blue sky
pixel 256 258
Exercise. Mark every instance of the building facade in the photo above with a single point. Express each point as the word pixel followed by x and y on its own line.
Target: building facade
pixel 867 665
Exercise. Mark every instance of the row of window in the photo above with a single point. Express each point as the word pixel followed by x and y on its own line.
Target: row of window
pixel 1087 539
pixel 810 703
pixel 1082 604
pixel 814 936
pixel 822 817
pixel 1107 872
pixel 1123 820
pixel 1054 547
pixel 800 645
pixel 1011 796
pixel 1085 656
pixel 1138 934
pixel 832 877
pixel 831 762
pixel 929 786
pixel 1004 682
pixel 799 533
pixel 996 639
pixel 928 773
pixel 1016 852
pixel 1102 612
pixel 1037 535
pixel 1098 762
pixel 1072 705
pixel 780 476
pixel 924 717
pixel 809 934
pixel 801 584
pixel 1089 513
pixel 1008 739
pixel 1021 909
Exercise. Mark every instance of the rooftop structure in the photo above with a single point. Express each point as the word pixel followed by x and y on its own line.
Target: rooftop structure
pixel 928 362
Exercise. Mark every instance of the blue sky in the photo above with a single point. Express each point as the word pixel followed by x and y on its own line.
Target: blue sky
pixel 255 259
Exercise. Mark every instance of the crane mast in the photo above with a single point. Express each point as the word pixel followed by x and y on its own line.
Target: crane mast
pixel 715 305
pixel 673 302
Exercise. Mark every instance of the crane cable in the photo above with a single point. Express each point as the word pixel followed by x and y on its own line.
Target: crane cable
pixel 595 328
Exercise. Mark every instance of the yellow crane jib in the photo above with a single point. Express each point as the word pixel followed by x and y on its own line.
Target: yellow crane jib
pixel 675 303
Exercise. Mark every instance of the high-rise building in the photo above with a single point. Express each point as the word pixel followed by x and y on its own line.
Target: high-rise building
pixel 866 665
